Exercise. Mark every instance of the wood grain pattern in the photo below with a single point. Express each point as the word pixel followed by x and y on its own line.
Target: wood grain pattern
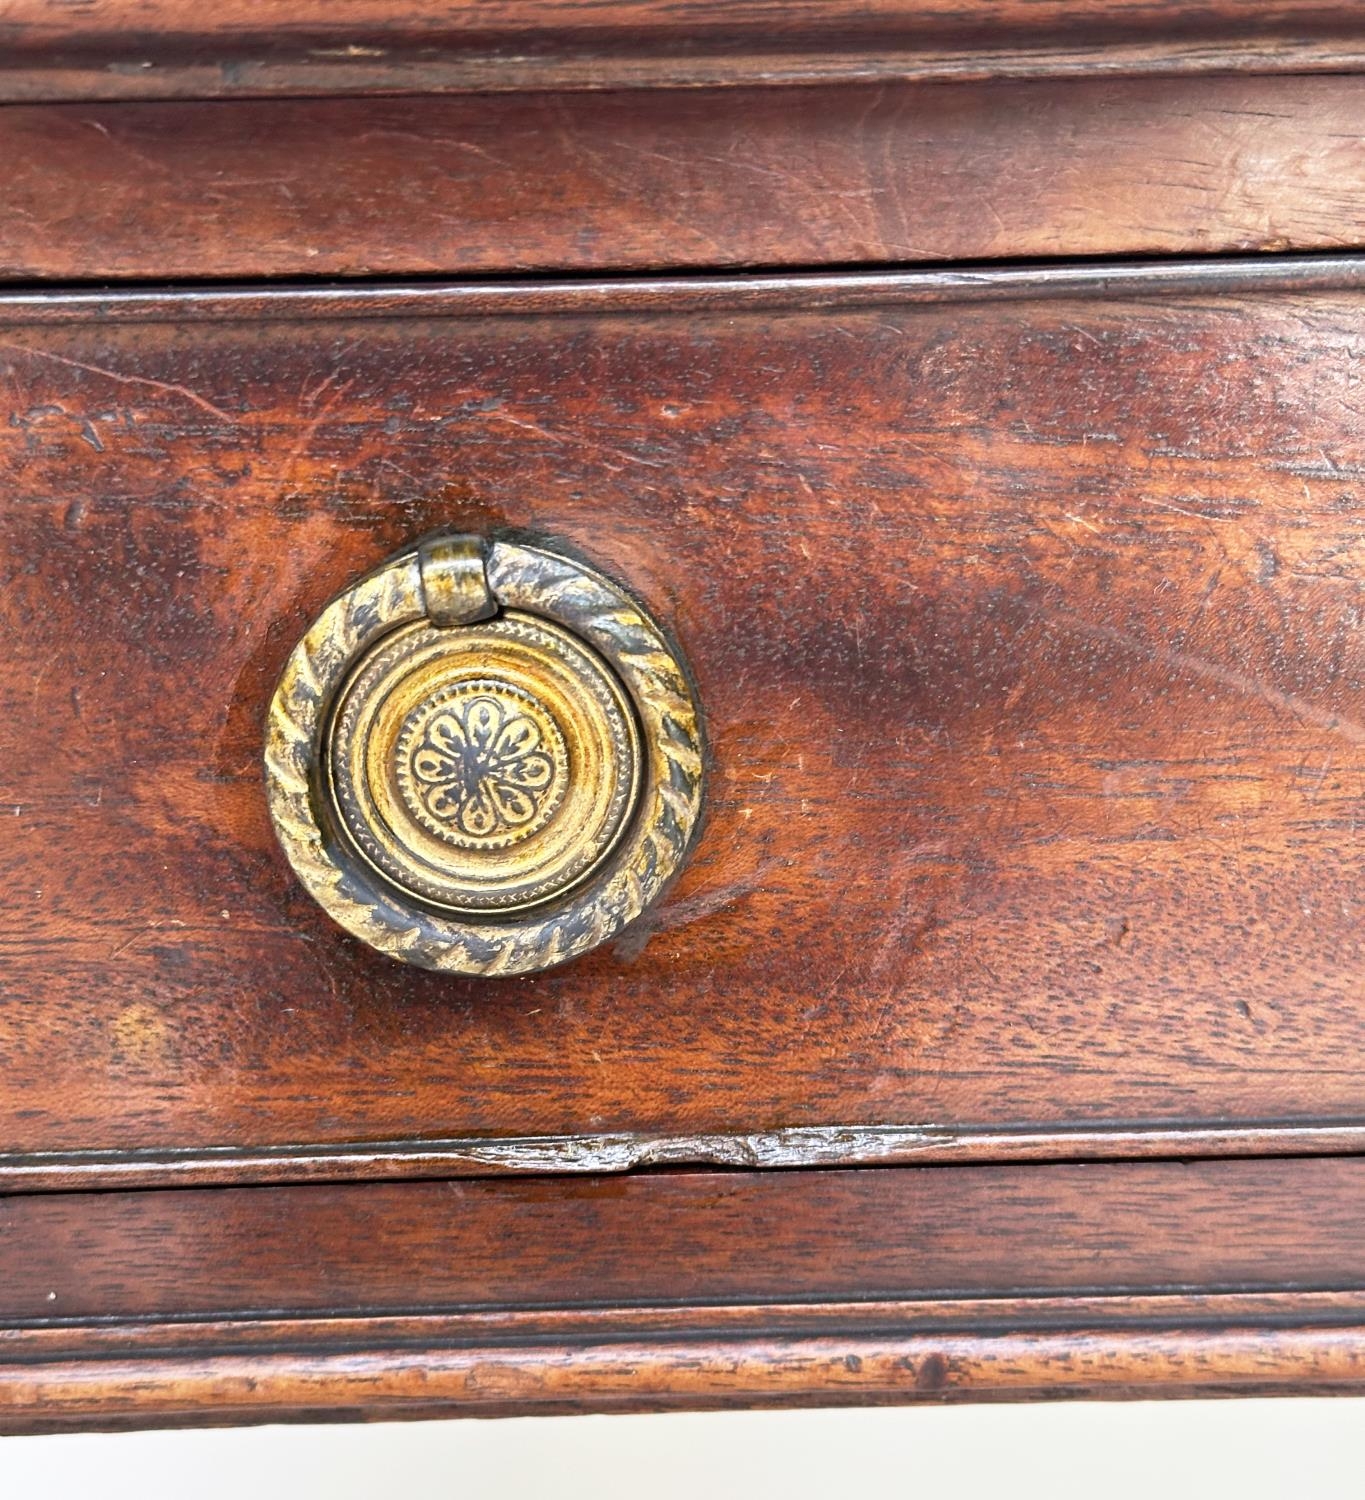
pixel 442 1298
pixel 166 48
pixel 754 292
pixel 799 1146
pixel 897 173
pixel 50 23
pixel 1027 631
pixel 849 1368
pixel 361 1377
pixel 685 1238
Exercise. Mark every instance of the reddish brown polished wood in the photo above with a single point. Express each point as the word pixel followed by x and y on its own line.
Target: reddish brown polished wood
pixel 647 1292
pixel 686 1238
pixel 105 48
pixel 639 180
pixel 1027 631
pixel 1024 605
pixel 45 24
pixel 429 1374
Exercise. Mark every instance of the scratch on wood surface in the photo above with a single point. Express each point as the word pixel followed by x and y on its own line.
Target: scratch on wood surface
pixel 308 431
pixel 145 161
pixel 902 938
pixel 117 375
pixel 571 440
pixel 1229 677
pixel 142 932
pixel 708 900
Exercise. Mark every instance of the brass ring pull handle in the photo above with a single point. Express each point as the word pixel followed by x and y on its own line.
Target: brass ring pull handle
pixel 484 757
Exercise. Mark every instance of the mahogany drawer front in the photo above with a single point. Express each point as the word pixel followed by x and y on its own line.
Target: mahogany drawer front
pixel 1024 611
pixel 643 180
pixel 683 1289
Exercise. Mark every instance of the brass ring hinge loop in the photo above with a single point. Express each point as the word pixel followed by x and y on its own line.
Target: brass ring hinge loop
pixel 455 581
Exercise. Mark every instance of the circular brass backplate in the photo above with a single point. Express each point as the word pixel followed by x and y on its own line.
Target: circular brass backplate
pixel 484 795
pixel 484 768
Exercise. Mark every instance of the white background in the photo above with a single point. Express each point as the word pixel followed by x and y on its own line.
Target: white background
pixel 1291 1449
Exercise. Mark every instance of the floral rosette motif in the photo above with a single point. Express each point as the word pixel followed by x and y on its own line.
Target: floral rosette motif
pixel 482 767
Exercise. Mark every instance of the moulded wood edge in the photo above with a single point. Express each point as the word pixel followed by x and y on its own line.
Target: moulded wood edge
pixel 786 1150
pixel 756 1368
pixel 391 1300
pixel 796 292
pixel 210 68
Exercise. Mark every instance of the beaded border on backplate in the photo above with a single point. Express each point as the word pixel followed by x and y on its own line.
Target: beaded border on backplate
pixel 353 815
pixel 649 854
